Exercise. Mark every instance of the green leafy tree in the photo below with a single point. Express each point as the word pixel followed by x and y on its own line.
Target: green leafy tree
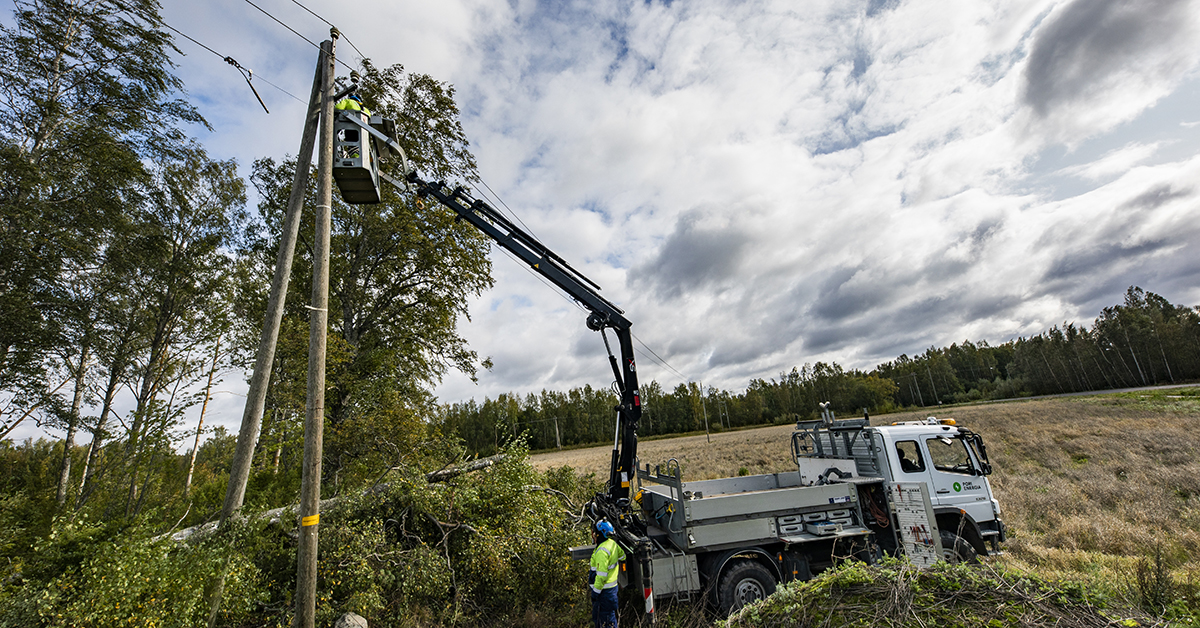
pixel 85 95
pixel 402 274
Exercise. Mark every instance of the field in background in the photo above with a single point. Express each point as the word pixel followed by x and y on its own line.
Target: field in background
pixel 1088 485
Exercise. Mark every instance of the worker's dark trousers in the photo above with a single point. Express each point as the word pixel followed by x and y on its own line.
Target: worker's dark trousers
pixel 604 608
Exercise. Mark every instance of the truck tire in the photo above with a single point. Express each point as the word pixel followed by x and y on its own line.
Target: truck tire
pixel 956 549
pixel 743 582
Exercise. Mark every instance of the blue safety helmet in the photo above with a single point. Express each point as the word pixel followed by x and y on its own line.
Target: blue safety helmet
pixel 356 98
pixel 605 528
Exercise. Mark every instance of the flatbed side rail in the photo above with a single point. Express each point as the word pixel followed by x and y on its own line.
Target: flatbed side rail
pixel 843 440
pixel 672 510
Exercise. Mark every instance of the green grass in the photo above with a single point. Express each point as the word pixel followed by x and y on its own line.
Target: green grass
pixel 1169 400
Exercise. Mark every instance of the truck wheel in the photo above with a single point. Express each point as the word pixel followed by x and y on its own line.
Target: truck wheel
pixel 745 581
pixel 956 549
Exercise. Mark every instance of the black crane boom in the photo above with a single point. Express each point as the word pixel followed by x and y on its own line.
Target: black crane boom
pixel 603 315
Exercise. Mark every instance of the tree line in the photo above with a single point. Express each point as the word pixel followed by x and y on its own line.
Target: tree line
pixel 1143 341
pixel 134 276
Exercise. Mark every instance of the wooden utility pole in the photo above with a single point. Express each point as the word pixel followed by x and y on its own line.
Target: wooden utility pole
pixel 256 397
pixel 704 407
pixel 243 454
pixel 314 419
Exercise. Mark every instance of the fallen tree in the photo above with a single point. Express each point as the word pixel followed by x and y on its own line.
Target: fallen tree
pixel 276 515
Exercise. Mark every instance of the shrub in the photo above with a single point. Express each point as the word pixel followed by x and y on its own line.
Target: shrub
pixel 89 574
pixel 894 593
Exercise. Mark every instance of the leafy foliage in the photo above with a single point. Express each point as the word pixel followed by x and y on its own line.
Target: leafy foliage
pixel 894 593
pixel 86 89
pixel 94 574
pixel 402 274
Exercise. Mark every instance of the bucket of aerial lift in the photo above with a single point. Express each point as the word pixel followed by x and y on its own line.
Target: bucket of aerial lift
pixel 355 166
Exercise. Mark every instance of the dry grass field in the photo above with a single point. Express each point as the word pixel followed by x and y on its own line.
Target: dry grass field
pixel 1088 485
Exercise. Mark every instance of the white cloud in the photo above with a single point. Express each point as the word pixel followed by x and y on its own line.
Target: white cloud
pixel 1096 63
pixel 760 186
pixel 1113 163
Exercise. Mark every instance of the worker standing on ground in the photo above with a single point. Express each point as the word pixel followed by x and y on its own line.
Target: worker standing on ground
pixel 606 559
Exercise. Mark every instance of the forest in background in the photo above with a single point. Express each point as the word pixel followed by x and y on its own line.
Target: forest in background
pixel 1143 341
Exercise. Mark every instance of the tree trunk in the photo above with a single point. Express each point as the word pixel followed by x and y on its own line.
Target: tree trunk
pixel 64 477
pixel 187 485
pixel 147 392
pixel 89 466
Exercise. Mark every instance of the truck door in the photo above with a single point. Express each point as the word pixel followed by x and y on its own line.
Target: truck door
pixel 954 475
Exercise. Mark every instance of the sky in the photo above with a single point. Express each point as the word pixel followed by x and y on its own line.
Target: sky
pixel 764 184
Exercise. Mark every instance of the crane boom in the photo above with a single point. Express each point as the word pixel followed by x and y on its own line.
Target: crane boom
pixel 614 504
pixel 603 315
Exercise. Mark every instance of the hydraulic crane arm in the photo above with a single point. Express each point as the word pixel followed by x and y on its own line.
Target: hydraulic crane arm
pixel 604 315
pixel 614 504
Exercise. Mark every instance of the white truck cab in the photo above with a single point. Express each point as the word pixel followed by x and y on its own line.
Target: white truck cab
pixel 951 461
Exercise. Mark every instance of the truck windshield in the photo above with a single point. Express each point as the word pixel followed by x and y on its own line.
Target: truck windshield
pixel 949 455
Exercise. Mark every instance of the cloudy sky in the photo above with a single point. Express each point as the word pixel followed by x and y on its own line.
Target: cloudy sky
pixel 760 185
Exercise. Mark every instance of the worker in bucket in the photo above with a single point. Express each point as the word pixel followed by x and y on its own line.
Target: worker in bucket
pixel 606 559
pixel 350 104
pixel 353 102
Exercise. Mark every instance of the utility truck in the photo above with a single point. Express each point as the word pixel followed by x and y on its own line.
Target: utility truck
pixel 919 489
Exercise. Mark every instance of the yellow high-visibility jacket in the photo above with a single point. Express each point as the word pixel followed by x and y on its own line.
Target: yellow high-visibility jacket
pixel 349 104
pixel 606 560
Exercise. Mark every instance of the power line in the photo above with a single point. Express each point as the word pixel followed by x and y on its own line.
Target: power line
pixel 555 289
pixel 297 98
pixel 311 42
pixel 280 22
pixel 510 210
pixel 568 299
pixel 501 201
pixel 185 35
pixel 245 72
pixel 659 358
pixel 360 54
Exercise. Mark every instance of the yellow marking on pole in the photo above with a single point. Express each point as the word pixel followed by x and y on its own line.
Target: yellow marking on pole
pixel 310 521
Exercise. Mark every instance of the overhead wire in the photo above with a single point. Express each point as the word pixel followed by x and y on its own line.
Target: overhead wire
pixel 659 358
pixel 311 42
pixel 245 72
pixel 294 97
pixel 542 279
pixel 360 53
pixel 500 201
pixel 186 36
pixel 510 210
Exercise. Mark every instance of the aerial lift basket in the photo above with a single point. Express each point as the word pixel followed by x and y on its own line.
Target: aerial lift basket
pixel 355 163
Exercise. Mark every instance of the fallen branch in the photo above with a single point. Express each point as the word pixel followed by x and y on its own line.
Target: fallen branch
pixel 474 465
pixel 275 516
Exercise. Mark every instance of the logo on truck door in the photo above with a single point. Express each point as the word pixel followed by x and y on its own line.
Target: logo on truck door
pixel 968 486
